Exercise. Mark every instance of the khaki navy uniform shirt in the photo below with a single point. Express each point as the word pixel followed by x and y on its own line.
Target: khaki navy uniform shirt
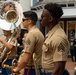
pixel 13 50
pixel 55 47
pixel 33 44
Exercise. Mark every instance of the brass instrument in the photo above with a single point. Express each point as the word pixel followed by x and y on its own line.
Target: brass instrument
pixel 11 16
pixel 36 64
pixel 7 66
pixel 13 64
pixel 12 19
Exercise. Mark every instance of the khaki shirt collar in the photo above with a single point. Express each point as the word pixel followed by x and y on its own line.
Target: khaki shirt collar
pixel 32 28
pixel 52 30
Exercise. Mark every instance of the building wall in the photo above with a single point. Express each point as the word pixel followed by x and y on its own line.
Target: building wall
pixel 26 4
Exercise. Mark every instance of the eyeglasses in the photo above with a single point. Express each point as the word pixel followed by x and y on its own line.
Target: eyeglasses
pixel 24 19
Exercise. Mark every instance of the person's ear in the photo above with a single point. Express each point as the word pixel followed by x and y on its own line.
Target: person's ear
pixel 50 18
pixel 29 21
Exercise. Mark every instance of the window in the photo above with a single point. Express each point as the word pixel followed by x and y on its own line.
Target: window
pixel 71 29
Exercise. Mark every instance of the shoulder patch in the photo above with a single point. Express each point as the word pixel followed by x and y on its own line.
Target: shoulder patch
pixel 28 41
pixel 61 48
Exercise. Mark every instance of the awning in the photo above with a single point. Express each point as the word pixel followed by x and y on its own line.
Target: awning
pixel 69 13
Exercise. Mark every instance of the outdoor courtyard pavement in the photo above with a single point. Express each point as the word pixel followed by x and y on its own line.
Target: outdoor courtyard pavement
pixel 70 66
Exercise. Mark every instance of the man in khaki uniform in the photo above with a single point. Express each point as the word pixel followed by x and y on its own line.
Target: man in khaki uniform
pixel 11 46
pixel 56 46
pixel 33 44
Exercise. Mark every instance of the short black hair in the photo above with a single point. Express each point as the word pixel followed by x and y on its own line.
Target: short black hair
pixel 54 9
pixel 31 15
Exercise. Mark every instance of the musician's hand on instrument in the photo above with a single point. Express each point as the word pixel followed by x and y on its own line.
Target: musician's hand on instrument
pixel 15 70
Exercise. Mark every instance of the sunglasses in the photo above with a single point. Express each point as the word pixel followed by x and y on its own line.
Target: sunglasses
pixel 24 19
